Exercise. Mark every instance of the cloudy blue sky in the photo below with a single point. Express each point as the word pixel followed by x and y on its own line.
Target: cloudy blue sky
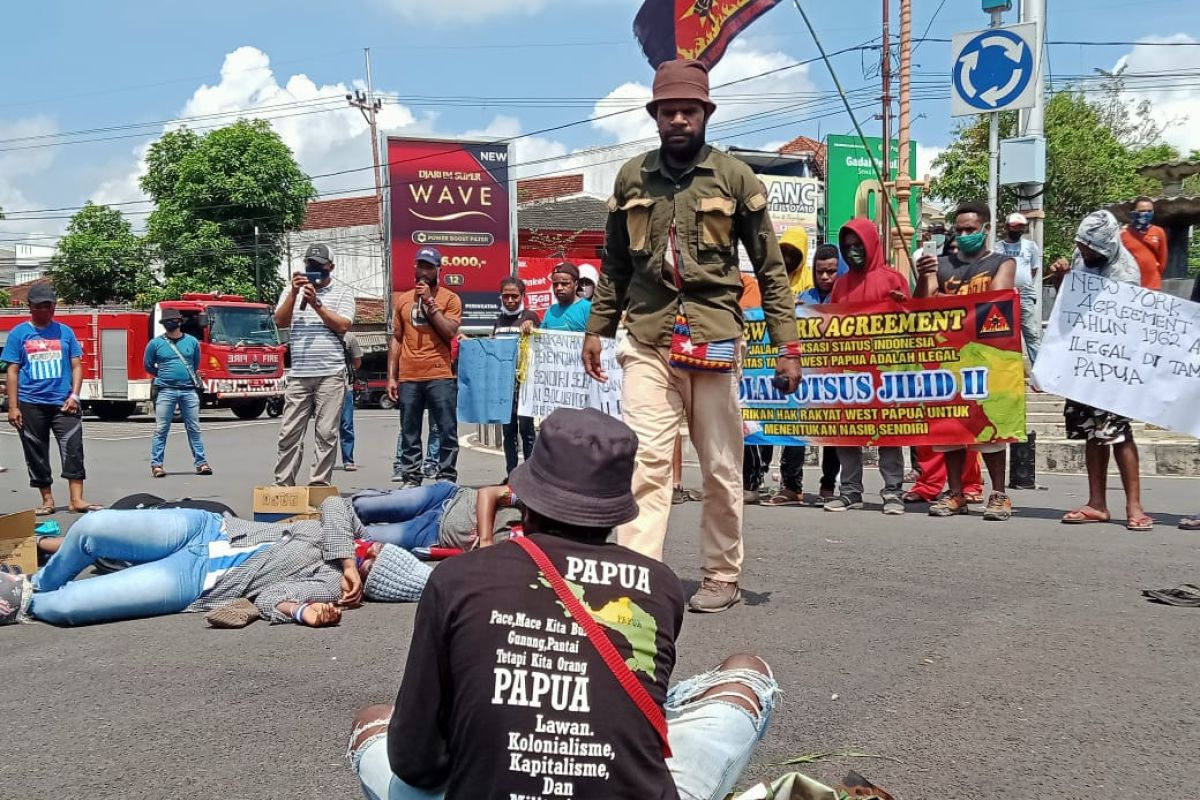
pixel 87 86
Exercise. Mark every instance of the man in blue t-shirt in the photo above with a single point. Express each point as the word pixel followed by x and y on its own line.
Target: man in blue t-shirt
pixel 570 313
pixel 44 376
pixel 174 361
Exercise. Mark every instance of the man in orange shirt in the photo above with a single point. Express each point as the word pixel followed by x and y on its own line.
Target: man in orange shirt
pixel 1146 243
pixel 421 368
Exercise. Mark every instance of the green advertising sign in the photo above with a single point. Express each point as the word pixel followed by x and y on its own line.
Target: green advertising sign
pixel 851 187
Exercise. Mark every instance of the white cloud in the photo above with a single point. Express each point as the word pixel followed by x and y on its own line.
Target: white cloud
pixel 1176 104
pixel 25 167
pixel 465 11
pixel 925 159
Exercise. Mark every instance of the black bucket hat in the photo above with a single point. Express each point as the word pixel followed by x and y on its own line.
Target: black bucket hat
pixel 581 470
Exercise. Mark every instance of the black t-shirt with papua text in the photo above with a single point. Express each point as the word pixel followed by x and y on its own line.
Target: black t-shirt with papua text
pixel 505 697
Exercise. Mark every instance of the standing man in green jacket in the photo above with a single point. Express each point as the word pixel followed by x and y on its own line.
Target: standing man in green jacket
pixel 675 220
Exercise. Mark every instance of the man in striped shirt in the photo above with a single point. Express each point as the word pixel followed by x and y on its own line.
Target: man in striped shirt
pixel 316 380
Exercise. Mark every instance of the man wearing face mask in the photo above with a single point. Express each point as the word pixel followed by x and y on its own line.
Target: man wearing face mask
pixel 589 276
pixel 972 270
pixel 174 360
pixel 676 219
pixel 319 314
pixel 1146 243
pixel 1028 257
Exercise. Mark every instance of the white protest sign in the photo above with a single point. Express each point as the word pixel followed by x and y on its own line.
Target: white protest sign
pixel 555 378
pixel 1124 349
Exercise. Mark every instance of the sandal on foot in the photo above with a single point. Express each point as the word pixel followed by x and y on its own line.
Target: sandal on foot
pixel 785 497
pixel 158 472
pixel 913 497
pixel 1189 524
pixel 1140 524
pixel 44 511
pixel 1085 515
pixel 204 469
pixel 86 509
pixel 1186 595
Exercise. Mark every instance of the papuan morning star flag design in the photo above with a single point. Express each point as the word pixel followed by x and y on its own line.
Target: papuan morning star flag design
pixel 45 359
pixel 693 29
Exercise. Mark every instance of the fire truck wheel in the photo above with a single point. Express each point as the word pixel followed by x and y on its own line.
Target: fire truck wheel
pixel 252 409
pixel 114 412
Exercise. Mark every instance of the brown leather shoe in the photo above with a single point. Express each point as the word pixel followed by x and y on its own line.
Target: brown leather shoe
pixel 714 596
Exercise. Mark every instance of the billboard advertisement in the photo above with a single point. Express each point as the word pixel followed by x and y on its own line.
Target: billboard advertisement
pixel 852 188
pixel 535 272
pixel 794 203
pixel 452 195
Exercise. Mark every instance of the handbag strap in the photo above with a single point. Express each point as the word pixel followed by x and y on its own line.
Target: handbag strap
pixel 620 670
pixel 191 373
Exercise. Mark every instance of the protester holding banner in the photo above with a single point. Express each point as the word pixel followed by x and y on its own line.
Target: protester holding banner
pixel 676 217
pixel 791 467
pixel 1099 251
pixel 570 311
pixel 512 318
pixel 870 280
pixel 972 270
pixel 421 370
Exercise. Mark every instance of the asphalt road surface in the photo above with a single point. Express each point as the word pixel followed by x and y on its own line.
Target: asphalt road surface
pixel 978 660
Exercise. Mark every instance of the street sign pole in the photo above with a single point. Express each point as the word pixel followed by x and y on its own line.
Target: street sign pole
pixel 994 157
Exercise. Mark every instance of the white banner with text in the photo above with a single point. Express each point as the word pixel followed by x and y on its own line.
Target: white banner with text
pixel 554 377
pixel 1124 349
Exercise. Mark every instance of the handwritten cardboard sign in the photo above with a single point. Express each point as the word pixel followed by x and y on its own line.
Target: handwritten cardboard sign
pixel 1124 349
pixel 555 378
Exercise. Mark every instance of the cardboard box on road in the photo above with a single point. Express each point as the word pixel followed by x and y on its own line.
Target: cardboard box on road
pixel 18 545
pixel 279 503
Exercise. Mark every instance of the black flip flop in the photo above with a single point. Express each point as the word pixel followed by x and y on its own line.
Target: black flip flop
pixel 1186 595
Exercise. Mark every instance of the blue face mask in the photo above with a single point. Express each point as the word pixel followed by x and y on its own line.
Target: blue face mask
pixel 1141 219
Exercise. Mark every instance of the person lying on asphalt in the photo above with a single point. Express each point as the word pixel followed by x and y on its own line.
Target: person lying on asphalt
pixel 187 560
pixel 505 694
pixel 442 514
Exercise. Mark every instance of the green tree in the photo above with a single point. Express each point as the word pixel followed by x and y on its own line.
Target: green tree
pixel 5 299
pixel 1095 144
pixel 211 191
pixel 100 259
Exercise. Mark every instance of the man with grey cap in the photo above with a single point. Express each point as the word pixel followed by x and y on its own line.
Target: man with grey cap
pixel 676 219
pixel 319 314
pixel 505 695
pixel 45 372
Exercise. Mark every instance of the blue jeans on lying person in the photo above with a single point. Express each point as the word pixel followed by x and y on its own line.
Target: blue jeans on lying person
pixel 711 741
pixel 407 518
pixel 169 549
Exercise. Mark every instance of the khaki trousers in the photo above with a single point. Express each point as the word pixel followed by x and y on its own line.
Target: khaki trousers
pixel 319 399
pixel 656 399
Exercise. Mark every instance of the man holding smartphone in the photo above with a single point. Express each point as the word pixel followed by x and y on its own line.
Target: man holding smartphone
pixel 319 315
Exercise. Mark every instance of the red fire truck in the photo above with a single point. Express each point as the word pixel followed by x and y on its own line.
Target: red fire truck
pixel 241 357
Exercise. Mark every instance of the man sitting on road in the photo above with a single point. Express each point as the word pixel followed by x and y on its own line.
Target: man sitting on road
pixel 194 560
pixel 505 696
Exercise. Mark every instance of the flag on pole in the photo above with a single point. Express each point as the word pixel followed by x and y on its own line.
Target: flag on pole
pixel 696 29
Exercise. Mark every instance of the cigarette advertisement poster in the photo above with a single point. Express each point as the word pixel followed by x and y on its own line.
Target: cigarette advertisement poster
pixel 936 371
pixel 452 195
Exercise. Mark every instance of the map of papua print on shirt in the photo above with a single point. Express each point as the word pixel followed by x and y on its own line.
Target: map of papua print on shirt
pixel 528 707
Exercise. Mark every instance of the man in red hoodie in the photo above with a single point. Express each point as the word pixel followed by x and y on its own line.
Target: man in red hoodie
pixel 869 280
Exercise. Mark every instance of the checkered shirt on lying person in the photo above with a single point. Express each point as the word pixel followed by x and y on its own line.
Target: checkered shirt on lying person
pixel 301 565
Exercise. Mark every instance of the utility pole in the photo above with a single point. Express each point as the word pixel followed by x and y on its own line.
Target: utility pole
pixel 994 154
pixel 258 295
pixel 1033 123
pixel 885 71
pixel 902 257
pixel 370 106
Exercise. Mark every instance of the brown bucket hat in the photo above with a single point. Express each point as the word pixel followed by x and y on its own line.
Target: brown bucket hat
pixel 681 80
pixel 581 470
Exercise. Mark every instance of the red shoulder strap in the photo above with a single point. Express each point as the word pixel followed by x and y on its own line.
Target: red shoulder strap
pixel 629 682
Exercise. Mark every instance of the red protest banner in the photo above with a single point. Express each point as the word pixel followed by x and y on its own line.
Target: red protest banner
pixel 936 371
